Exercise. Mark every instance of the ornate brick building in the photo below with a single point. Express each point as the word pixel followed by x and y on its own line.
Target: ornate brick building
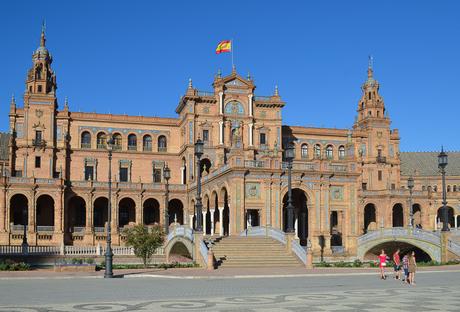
pixel 346 182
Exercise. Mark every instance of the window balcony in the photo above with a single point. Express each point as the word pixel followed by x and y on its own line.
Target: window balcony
pixel 38 143
pixel 116 147
pixel 147 148
pixel 132 147
pixel 101 146
pixel 86 145
pixel 381 159
pixel 162 149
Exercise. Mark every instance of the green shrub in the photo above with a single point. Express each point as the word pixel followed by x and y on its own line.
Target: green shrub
pixel 10 265
pixel 357 263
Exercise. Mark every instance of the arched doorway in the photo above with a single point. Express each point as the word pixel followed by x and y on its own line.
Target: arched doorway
pixel 450 217
pixel 299 200
pixel 76 214
pixel 151 211
pixel 100 212
pixel 179 253
pixel 45 212
pixel 398 215
pixel 370 219
pixel 126 212
pixel 225 213
pixel 391 246
pixel 417 215
pixel 19 209
pixel 176 211
pixel 205 166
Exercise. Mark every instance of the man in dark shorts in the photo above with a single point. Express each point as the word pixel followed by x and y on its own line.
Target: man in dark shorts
pixel 397 264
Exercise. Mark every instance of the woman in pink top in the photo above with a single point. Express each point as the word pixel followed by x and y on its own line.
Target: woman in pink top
pixel 382 264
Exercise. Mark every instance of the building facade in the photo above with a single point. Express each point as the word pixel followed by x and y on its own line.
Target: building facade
pixel 346 182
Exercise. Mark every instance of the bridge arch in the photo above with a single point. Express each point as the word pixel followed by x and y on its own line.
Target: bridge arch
pixel 178 247
pixel 390 246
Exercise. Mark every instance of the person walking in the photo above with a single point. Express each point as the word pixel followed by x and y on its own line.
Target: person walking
pixel 397 264
pixel 412 268
pixel 405 265
pixel 382 264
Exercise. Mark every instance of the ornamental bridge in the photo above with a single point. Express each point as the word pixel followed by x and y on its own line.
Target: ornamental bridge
pixel 429 242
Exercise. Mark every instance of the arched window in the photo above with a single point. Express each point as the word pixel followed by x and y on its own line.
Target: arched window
pixel 435 188
pixel 117 141
pixel 101 140
pixel 341 152
pixel 162 144
pixel 455 188
pixel 147 143
pixel 329 152
pixel 448 188
pixel 317 151
pixel 132 142
pixel 304 151
pixel 85 140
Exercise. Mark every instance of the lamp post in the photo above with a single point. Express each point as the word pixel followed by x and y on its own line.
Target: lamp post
pixel 198 204
pixel 24 245
pixel 442 163
pixel 289 156
pixel 167 176
pixel 108 251
pixel 410 185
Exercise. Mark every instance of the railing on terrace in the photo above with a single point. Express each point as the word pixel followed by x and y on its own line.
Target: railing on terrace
pixel 205 93
pixel 254 164
pixel 23 180
pixel 337 167
pixel 300 166
pixel 431 237
pixel 45 228
pixel 262 98
pixel 78 229
pixel 17 227
pixel 85 145
pixel 99 229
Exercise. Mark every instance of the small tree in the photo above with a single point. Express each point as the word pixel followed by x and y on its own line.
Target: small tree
pixel 144 240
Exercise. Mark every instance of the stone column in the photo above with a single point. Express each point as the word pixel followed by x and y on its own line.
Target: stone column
pixel 250 104
pixel 204 221
pixel 31 214
pixel 251 125
pixel 227 133
pixel 139 211
pixel 296 227
pixel 114 223
pixel 3 213
pixel 221 132
pixel 455 222
pixel 212 220
pixel 221 221
pixel 191 221
pixel 89 214
pixel 182 175
pixel 221 103
pixel 435 222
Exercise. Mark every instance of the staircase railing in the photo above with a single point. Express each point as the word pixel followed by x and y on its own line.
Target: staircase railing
pixel 204 252
pixel 299 251
pixel 265 231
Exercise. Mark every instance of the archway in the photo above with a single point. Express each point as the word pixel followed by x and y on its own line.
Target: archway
pixel 126 212
pixel 179 253
pixel 45 211
pixel 398 215
pixel 450 216
pixel 76 213
pixel 417 215
pixel 391 246
pixel 299 200
pixel 151 211
pixel 370 219
pixel 176 211
pixel 225 213
pixel 205 166
pixel 100 212
pixel 19 209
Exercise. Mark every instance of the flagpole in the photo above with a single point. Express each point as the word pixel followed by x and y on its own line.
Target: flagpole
pixel 233 46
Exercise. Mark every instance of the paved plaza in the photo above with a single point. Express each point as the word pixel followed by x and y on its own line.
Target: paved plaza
pixel 435 291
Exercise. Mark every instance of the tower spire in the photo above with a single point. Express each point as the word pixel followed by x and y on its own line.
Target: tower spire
pixel 370 67
pixel 42 37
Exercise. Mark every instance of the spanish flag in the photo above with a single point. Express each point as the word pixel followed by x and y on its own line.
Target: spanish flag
pixel 224 46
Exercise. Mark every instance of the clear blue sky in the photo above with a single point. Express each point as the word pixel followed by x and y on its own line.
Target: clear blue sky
pixel 135 57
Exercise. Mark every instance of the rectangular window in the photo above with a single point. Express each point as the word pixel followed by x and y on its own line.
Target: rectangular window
pixel 205 135
pixel 123 174
pixel 380 175
pixel 38 135
pixel 263 139
pixel 156 175
pixel 38 161
pixel 393 186
pixel 18 173
pixel 364 185
pixel 89 173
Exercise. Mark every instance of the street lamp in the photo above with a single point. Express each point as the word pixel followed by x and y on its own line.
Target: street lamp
pixel 25 245
pixel 410 185
pixel 289 154
pixel 442 163
pixel 108 251
pixel 198 205
pixel 167 176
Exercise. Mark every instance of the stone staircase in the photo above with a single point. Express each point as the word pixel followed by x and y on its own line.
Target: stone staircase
pixel 242 251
